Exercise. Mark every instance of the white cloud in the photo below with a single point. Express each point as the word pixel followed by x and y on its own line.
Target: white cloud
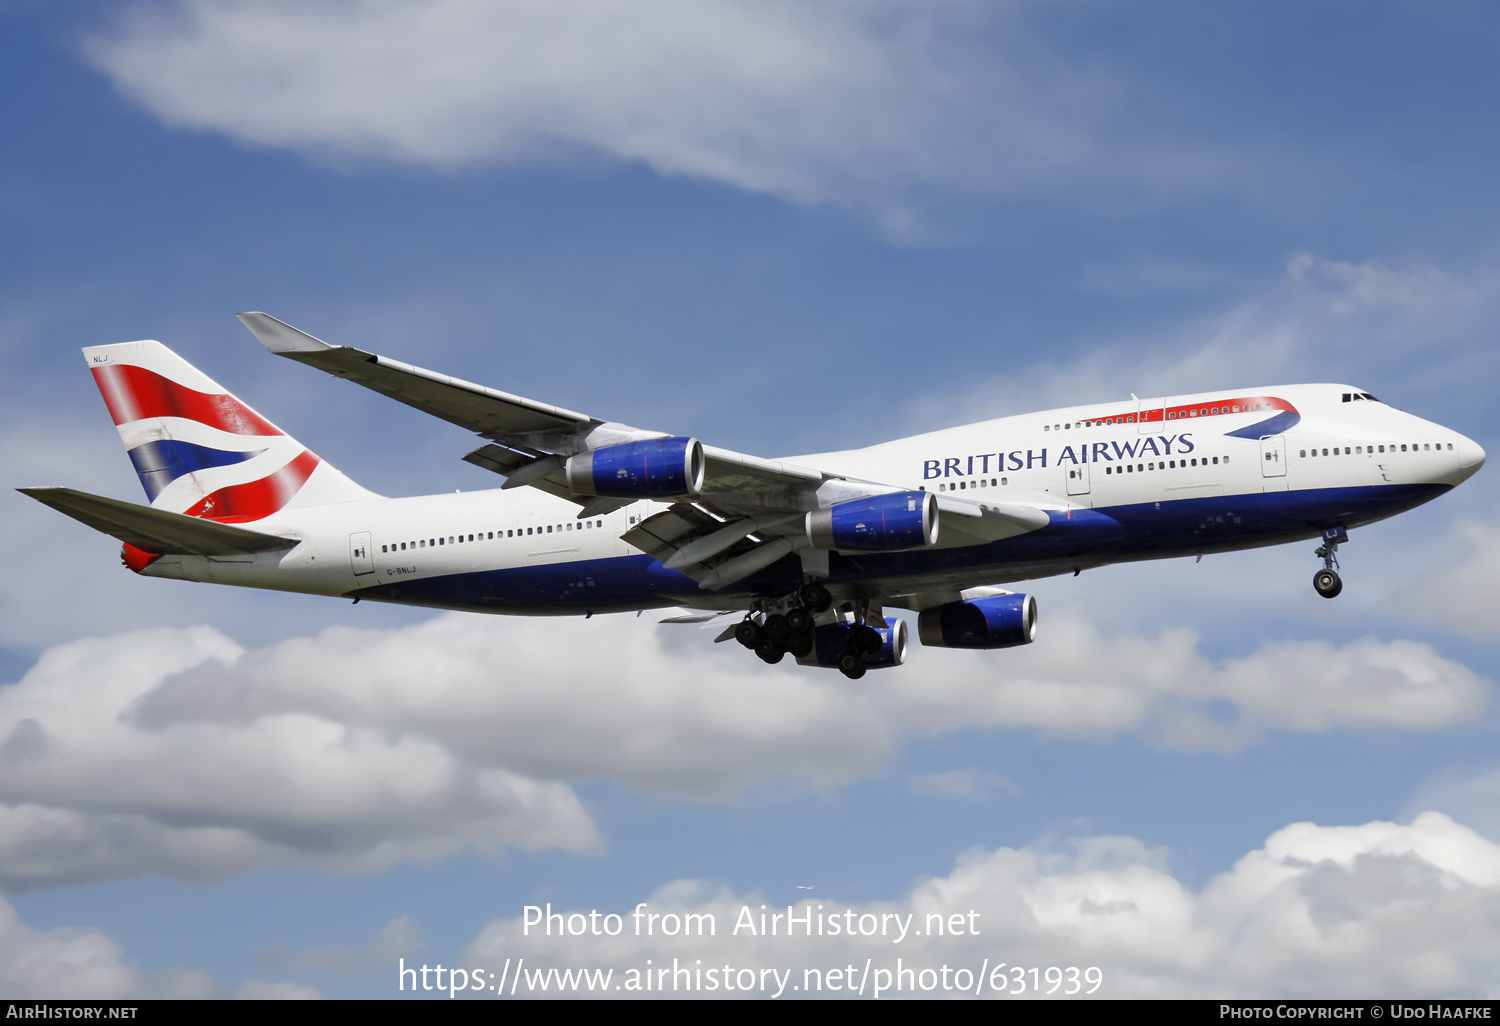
pixel 82 963
pixel 845 102
pixel 61 963
pixel 178 752
pixel 94 788
pixel 1379 910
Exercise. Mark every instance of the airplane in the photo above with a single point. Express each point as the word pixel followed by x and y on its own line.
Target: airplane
pixel 798 556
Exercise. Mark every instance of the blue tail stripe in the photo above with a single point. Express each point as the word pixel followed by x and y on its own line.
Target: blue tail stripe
pixel 160 463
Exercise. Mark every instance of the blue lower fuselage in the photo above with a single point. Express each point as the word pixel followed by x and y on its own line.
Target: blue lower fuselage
pixel 1075 540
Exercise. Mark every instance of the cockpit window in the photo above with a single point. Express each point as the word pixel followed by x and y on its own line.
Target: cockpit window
pixel 1354 397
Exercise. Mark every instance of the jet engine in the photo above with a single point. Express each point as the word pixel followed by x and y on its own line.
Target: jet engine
pixel 831 641
pixel 878 523
pixel 655 468
pixel 999 621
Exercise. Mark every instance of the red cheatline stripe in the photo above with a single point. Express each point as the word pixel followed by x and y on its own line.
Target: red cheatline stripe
pixel 132 393
pixel 255 500
pixel 1218 407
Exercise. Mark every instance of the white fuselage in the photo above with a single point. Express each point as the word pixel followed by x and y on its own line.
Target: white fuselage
pixel 1149 478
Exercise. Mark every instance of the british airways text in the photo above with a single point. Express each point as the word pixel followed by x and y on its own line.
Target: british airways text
pixel 1087 452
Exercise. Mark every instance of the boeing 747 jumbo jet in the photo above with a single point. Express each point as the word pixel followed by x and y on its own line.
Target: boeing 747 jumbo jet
pixel 799 556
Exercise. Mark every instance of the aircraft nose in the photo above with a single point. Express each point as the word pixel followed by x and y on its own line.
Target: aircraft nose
pixel 1470 455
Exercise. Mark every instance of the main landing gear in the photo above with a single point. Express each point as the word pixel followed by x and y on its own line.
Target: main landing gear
pixel 787 625
pixel 1326 581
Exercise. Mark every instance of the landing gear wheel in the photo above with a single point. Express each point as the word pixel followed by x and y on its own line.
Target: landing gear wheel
pixel 798 621
pixel 852 664
pixel 1327 583
pixel 748 633
pixel 801 647
pixel 769 651
pixel 777 629
pixel 816 597
pixel 866 639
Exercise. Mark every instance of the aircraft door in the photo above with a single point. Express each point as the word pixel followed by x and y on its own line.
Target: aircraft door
pixel 1273 456
pixel 1151 415
pixel 360 556
pixel 1078 479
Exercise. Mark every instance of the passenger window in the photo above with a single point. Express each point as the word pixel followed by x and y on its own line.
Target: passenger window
pixel 1005 480
pixel 1403 446
pixel 599 523
pixel 1303 453
pixel 1216 460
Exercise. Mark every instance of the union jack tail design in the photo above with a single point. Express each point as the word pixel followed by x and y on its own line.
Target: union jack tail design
pixel 201 451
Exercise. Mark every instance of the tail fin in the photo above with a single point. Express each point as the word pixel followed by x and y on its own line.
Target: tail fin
pixel 198 449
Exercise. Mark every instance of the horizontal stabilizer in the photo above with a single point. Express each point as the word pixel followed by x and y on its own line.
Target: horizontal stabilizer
pixel 156 530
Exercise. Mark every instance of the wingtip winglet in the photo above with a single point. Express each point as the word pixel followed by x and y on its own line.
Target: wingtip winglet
pixel 280 337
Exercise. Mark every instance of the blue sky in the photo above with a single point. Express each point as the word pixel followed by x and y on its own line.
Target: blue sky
pixel 782 228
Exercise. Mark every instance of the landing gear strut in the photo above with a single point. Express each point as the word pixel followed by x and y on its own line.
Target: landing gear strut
pixel 1326 581
pixel 772 634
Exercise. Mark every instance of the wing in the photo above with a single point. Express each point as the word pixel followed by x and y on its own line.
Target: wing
pixel 532 440
pixel 746 513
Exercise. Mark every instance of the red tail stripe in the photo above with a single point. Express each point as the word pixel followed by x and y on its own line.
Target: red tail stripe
pixel 255 500
pixel 132 393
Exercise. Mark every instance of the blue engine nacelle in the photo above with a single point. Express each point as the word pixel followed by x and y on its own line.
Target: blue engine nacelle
pixel 655 468
pixel 830 641
pixel 1000 621
pixel 880 523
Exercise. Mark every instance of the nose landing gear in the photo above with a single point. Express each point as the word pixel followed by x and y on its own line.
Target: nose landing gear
pixel 1326 581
